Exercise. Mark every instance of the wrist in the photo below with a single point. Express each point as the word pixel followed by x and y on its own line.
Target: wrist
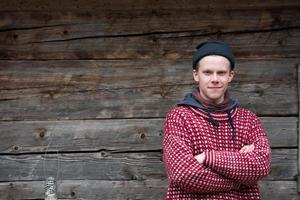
pixel 200 158
pixel 209 158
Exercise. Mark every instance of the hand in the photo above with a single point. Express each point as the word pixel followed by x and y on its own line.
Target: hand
pixel 200 158
pixel 247 148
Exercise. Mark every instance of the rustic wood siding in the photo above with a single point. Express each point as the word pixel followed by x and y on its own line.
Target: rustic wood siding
pixel 85 86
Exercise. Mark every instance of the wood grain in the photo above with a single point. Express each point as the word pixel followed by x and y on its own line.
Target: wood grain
pixel 139 102
pixel 298 177
pixel 23 27
pixel 112 74
pixel 120 190
pixel 87 189
pixel 132 89
pixel 279 190
pixel 106 165
pixel 36 5
pixel 112 135
pixel 282 43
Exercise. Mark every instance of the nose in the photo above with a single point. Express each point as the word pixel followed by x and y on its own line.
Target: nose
pixel 215 78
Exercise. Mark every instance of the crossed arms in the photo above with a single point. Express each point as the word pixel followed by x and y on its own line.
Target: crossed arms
pixel 213 171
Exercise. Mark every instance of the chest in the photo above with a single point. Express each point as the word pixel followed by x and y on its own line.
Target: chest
pixel 205 136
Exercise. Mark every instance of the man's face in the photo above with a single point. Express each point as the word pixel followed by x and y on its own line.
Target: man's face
pixel 213 76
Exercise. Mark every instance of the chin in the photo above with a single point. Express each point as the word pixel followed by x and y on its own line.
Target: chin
pixel 215 99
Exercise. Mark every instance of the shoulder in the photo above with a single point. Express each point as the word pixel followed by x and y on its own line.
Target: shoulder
pixel 246 113
pixel 179 111
pixel 180 114
pixel 246 116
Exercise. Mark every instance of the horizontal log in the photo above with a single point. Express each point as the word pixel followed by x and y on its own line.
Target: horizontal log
pixel 105 165
pixel 282 43
pixel 120 190
pixel 298 177
pixel 112 135
pixel 279 190
pixel 260 102
pixel 139 102
pixel 283 164
pixel 36 5
pixel 87 189
pixel 68 136
pixel 42 90
pixel 102 165
pixel 282 131
pixel 23 27
pixel 110 74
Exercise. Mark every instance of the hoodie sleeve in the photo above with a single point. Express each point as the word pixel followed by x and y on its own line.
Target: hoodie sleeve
pixel 246 168
pixel 182 168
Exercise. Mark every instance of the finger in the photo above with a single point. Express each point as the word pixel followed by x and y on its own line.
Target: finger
pixel 247 149
pixel 200 158
pixel 243 149
pixel 251 147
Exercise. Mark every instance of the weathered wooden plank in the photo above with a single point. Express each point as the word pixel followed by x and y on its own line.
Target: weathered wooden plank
pixel 120 190
pixel 283 164
pixel 37 5
pixel 298 177
pixel 106 165
pixel 110 74
pixel 87 189
pixel 260 102
pixel 279 190
pixel 266 44
pixel 282 131
pixel 102 165
pixel 58 88
pixel 111 135
pixel 153 101
pixel 39 26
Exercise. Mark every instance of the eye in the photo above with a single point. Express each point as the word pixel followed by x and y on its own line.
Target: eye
pixel 222 73
pixel 207 72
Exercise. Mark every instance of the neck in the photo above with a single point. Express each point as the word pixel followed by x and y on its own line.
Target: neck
pixel 217 106
pixel 209 101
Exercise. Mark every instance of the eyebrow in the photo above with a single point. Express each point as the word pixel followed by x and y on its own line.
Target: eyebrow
pixel 209 70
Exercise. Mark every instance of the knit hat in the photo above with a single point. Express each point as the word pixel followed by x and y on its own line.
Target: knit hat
pixel 213 48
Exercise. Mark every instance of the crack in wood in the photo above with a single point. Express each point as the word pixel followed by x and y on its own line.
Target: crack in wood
pixel 103 152
pixel 36 27
pixel 169 34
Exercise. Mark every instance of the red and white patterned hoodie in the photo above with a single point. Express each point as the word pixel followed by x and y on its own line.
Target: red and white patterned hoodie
pixel 225 173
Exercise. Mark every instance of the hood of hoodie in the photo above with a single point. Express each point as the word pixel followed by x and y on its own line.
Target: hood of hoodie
pixel 189 100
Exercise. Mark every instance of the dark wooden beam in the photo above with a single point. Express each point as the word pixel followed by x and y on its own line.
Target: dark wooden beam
pixel 112 135
pixel 132 89
pixel 106 165
pixel 119 190
pixel 282 43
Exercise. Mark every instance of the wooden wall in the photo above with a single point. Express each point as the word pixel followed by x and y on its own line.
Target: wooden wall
pixel 85 86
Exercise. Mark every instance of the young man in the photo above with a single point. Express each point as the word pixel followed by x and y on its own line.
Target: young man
pixel 214 149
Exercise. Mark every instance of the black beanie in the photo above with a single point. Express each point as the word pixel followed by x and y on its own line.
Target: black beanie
pixel 213 48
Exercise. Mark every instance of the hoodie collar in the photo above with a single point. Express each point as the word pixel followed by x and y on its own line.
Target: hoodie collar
pixel 199 108
pixel 219 116
pixel 213 116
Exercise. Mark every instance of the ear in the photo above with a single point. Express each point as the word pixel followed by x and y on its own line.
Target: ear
pixel 195 75
pixel 231 75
